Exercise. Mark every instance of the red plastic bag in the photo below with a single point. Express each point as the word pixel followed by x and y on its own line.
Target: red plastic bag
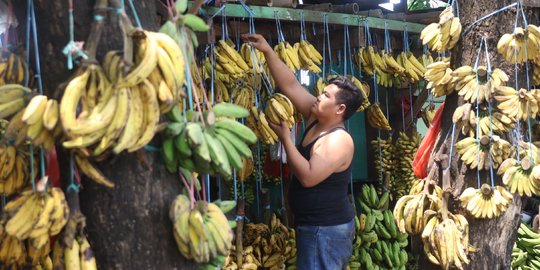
pixel 423 153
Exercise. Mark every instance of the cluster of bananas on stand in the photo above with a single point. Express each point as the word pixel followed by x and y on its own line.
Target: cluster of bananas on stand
pixel 465 118
pixel 14 169
pixel 444 35
pixel 319 86
pixel 484 152
pixel 446 238
pixel 428 113
pixel 414 69
pixel 425 59
pixel 405 147
pixel 475 85
pixel 522 177
pixel 520 46
pixel 13 69
pixel 279 108
pixel 229 62
pixel 536 71
pixel 270 246
pixel 253 58
pixel 13 98
pixel 40 121
pixel 310 58
pixel 289 55
pixel 409 210
pixel 257 121
pixel 214 148
pixel 29 221
pixel 520 105
pixel 385 163
pixel 77 256
pixel 243 96
pixel 364 90
pixel 378 243
pixel 525 254
pixel 376 117
pixel 201 230
pixel 439 77
pixel 485 202
pixel 220 94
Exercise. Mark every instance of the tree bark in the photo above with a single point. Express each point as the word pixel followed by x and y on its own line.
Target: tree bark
pixel 128 226
pixel 492 238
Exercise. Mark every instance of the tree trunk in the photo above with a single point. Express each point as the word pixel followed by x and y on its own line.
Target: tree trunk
pixel 492 238
pixel 128 226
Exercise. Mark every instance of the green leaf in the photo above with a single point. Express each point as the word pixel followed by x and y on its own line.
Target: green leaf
pixel 181 5
pixel 196 23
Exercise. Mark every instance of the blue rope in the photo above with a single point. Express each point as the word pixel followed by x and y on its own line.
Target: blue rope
pixel 71 50
pixel 486 16
pixel 327 30
pixel 345 50
pixel 477 111
pixel 72 185
pixel 135 14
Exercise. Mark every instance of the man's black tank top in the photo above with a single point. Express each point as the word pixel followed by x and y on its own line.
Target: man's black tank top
pixel 325 204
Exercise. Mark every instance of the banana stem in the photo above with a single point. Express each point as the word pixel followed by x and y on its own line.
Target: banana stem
pixel 239 232
pixel 444 208
pixel 127 29
pixel 100 11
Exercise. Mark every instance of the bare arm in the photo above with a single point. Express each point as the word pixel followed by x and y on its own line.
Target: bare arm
pixel 283 76
pixel 324 161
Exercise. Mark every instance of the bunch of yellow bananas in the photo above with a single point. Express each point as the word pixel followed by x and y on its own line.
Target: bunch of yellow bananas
pixel 475 85
pixel 485 202
pixel 246 170
pixel 428 113
pixel 409 212
pixel 484 152
pixel 363 61
pixel 279 108
pixel 30 220
pixel 364 90
pixel 220 94
pixel 13 98
pixel 425 59
pixel 376 117
pixel 319 86
pixel 418 187
pixel 522 177
pixel 258 123
pixel 215 147
pixel 253 57
pixel 202 232
pixel 13 69
pixel 520 46
pixel 444 35
pixel 439 77
pixel 229 61
pixel 414 70
pixel 519 105
pixel 244 96
pixel 446 239
pixel 465 118
pixel 310 58
pixel 77 256
pixel 536 71
pixel 14 173
pixel 403 174
pixel 39 120
pixel 289 55
pixel 271 246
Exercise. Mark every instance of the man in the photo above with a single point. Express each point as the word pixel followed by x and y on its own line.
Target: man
pixel 321 164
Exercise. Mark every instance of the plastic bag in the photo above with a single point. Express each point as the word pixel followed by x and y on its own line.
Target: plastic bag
pixel 423 153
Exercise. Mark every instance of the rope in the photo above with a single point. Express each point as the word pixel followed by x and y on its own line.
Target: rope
pixel 327 31
pixel 134 13
pixel 283 209
pixel 477 109
pixel 280 36
pixel 486 16
pixel 71 50
pixel 72 184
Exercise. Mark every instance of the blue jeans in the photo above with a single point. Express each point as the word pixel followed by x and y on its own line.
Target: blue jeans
pixel 324 247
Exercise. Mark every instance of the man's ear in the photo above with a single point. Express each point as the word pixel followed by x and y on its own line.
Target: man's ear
pixel 341 109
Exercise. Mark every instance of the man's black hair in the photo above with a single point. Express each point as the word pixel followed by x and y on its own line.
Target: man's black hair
pixel 348 94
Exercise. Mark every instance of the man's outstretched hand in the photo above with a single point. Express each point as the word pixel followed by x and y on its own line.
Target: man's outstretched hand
pixel 257 41
pixel 282 130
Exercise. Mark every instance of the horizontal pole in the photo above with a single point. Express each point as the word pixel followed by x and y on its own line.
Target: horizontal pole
pixel 294 15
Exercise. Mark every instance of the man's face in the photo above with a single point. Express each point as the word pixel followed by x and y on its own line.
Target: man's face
pixel 326 102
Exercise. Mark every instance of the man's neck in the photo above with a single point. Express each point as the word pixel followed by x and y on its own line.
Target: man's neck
pixel 327 124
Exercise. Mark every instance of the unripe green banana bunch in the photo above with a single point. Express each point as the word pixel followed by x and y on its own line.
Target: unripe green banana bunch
pixel 524 253
pixel 215 147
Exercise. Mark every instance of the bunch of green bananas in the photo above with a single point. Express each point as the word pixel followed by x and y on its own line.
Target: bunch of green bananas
pixel 13 98
pixel 77 256
pixel 201 229
pixel 13 69
pixel 378 243
pixel 403 173
pixel 525 254
pixel 444 35
pixel 520 46
pixel 213 148
pixel 271 246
